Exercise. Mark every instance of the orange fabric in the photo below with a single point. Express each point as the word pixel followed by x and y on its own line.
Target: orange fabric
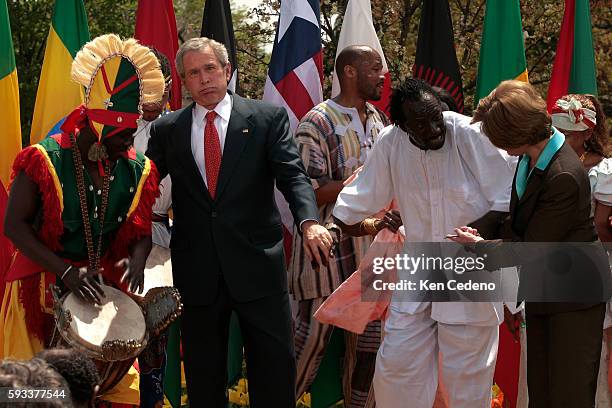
pixel 344 308
pixel 127 391
pixel 16 341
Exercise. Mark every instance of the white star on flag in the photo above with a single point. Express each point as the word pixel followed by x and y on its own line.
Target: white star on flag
pixel 291 9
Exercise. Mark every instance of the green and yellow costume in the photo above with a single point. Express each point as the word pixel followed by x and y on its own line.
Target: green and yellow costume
pixel 120 76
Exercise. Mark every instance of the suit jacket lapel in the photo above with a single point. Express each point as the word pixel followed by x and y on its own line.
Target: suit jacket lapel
pixel 183 131
pixel 239 130
pixel 534 185
pixel 537 178
pixel 513 195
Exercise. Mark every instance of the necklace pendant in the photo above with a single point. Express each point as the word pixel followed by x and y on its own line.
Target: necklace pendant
pixel 97 152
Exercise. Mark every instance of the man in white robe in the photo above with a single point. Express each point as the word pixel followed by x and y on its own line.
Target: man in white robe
pixel 442 173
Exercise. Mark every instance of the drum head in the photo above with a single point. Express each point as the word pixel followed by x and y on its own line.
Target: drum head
pixel 118 318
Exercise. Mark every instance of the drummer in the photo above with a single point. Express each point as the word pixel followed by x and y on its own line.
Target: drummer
pixel 80 202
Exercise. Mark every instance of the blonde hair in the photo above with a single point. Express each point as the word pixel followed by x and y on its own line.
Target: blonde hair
pixel 599 142
pixel 513 115
pixel 199 44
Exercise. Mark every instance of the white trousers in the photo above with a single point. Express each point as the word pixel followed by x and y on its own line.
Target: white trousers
pixel 406 373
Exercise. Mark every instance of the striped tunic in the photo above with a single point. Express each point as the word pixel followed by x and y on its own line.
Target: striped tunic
pixel 333 144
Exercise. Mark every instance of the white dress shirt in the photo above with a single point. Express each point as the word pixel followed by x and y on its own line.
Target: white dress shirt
pixel 160 234
pixel 198 126
pixel 436 191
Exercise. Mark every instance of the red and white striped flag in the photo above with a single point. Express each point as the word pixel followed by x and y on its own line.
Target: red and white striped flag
pixel 295 74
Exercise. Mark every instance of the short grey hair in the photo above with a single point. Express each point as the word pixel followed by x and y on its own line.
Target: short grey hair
pixel 198 44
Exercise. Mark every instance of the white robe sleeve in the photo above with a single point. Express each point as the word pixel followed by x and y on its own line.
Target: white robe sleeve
pixel 600 177
pixel 492 168
pixel 141 141
pixel 372 189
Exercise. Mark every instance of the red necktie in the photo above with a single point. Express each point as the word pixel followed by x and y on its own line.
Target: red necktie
pixel 212 153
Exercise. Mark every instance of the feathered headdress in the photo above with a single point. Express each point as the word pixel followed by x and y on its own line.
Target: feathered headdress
pixel 119 76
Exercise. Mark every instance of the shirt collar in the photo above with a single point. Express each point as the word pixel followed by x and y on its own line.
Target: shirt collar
pixel 369 108
pixel 223 109
pixel 554 144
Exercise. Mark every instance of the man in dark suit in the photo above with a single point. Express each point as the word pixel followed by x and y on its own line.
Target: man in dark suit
pixel 224 154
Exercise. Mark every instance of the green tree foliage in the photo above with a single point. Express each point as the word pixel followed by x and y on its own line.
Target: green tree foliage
pixel 396 22
pixel 30 22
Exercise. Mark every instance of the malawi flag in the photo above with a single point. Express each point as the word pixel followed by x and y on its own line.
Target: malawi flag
pixel 436 60
pixel 57 94
pixel 217 25
pixel 574 66
pixel 10 138
pixel 502 54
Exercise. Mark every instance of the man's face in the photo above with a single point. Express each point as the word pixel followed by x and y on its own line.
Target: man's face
pixel 119 143
pixel 424 122
pixel 370 78
pixel 205 77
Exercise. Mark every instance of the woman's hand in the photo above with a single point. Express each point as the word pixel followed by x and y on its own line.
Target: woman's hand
pixel 84 285
pixel 466 235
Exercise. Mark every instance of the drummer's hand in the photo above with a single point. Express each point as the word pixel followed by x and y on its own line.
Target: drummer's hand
pixel 392 220
pixel 84 285
pixel 133 274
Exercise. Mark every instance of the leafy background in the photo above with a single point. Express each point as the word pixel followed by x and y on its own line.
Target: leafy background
pixel 396 22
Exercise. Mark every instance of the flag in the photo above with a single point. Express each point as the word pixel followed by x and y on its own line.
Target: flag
pixel 295 74
pixel 10 138
pixel 436 60
pixel 574 66
pixel 156 27
pixel 57 94
pixel 6 246
pixel 502 54
pixel 358 29
pixel 217 25
pixel 172 375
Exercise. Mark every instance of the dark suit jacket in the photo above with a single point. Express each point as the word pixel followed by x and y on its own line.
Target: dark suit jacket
pixel 556 205
pixel 238 235
pixel 555 208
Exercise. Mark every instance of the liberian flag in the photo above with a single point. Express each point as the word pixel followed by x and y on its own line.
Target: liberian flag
pixel 574 66
pixel 295 74
pixel 358 29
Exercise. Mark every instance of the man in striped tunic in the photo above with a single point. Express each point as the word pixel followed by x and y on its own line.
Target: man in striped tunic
pixel 334 138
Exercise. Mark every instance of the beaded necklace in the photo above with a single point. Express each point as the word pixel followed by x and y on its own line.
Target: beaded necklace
pixel 92 257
